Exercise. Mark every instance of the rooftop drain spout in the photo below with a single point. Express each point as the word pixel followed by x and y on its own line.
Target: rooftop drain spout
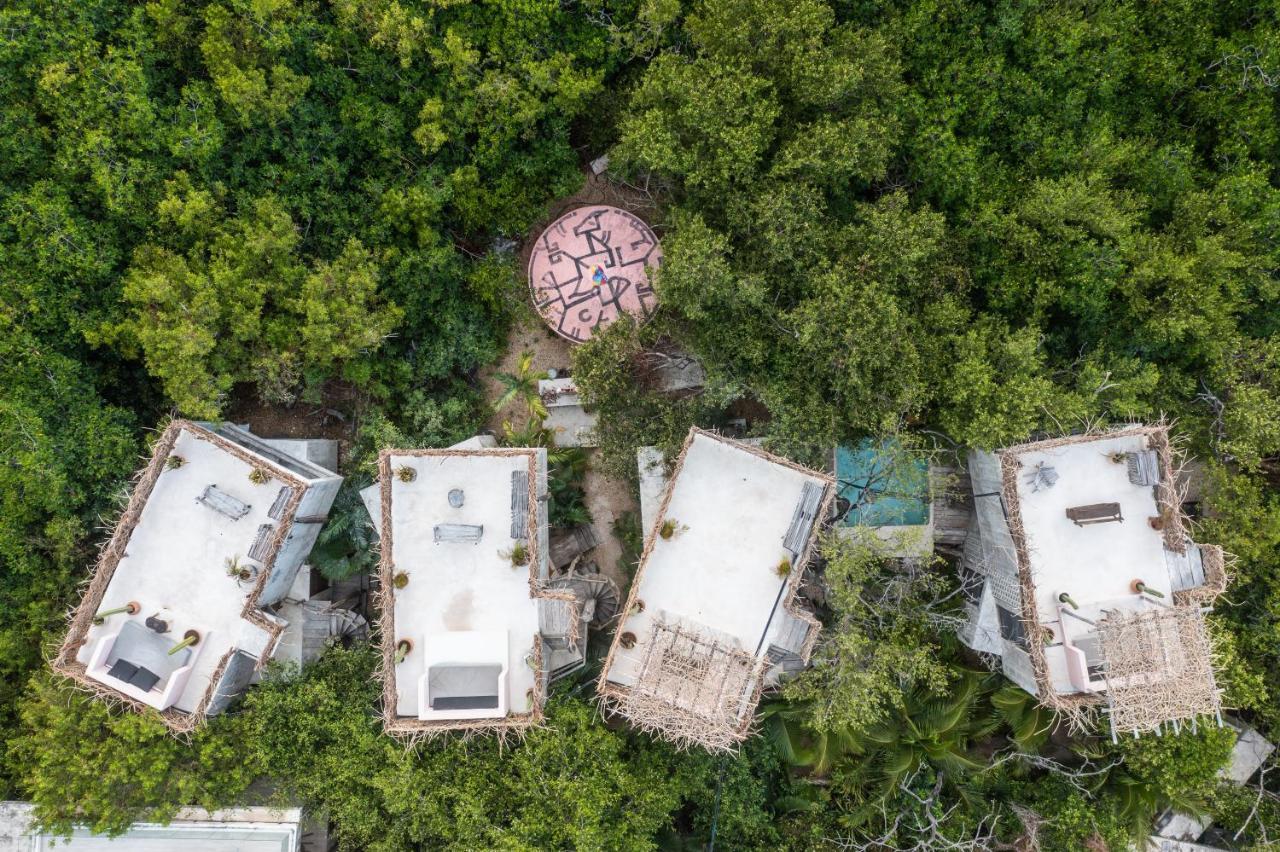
pixel 131 607
pixel 1142 588
pixel 189 638
pixel 1077 617
pixel 1068 600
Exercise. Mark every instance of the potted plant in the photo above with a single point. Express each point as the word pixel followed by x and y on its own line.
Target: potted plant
pixel 174 462
pixel 403 647
pixel 670 527
pixel 518 554
pixel 400 579
pixel 783 568
pixel 258 476
pixel 239 570
pixel 637 607
pixel 627 640
pixel 131 607
pixel 404 473
pixel 1140 588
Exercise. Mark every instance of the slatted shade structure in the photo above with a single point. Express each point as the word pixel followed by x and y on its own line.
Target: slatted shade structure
pixel 591 266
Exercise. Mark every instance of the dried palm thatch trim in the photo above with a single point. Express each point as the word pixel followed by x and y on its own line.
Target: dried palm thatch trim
pixel 1158 668
pixel 1168 496
pixel 570 614
pixel 1079 709
pixel 81 618
pixel 1217 575
pixel 811 640
pixel 1066 704
pixel 649 711
pixel 412 730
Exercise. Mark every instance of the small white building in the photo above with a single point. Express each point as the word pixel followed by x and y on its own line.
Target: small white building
pixel 570 423
pixel 468 620
pixel 1084 582
pixel 711 620
pixel 191 830
pixel 179 615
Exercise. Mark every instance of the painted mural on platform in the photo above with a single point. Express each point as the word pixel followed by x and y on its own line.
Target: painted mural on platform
pixel 590 266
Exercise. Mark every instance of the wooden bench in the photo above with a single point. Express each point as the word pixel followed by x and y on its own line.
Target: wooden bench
pixel 1095 513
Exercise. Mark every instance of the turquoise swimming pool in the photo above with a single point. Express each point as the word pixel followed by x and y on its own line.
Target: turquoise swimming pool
pixel 886 487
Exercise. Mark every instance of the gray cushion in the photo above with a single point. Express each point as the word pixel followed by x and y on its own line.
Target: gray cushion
pixel 145 679
pixel 123 670
pixel 468 702
pixel 463 682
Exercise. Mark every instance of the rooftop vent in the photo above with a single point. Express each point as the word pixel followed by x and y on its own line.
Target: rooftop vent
pixel 282 500
pixel 1144 467
pixel 261 542
pixel 1042 478
pixel 519 503
pixel 806 512
pixel 456 498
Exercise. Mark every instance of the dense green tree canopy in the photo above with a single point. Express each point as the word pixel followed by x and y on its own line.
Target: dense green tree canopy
pixel 960 224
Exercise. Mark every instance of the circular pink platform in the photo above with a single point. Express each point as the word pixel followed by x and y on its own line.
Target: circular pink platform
pixel 590 266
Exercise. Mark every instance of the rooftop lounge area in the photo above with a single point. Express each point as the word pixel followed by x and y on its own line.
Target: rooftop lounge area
pixel 467 620
pixel 710 620
pixel 1111 585
pixel 173 618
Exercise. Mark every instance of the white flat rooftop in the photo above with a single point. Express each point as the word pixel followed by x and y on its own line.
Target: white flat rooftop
pixel 461 588
pixel 175 567
pixel 1096 563
pixel 192 830
pixel 732 508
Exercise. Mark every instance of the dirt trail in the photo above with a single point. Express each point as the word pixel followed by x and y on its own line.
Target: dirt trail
pixel 607 499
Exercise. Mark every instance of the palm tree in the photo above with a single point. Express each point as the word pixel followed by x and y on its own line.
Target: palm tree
pixel 1137 796
pixel 522 385
pixel 928 732
pixel 532 434
pixel 566 470
pixel 802 746
pixel 1029 721
pixel 346 545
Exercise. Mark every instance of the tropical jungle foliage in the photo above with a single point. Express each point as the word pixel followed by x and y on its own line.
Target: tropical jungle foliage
pixel 963 222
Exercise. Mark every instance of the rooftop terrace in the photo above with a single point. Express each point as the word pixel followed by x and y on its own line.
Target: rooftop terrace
pixel 1111 582
pixel 463 629
pixel 176 592
pixel 710 609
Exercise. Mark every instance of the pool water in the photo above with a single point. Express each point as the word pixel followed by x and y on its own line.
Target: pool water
pixel 887 487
